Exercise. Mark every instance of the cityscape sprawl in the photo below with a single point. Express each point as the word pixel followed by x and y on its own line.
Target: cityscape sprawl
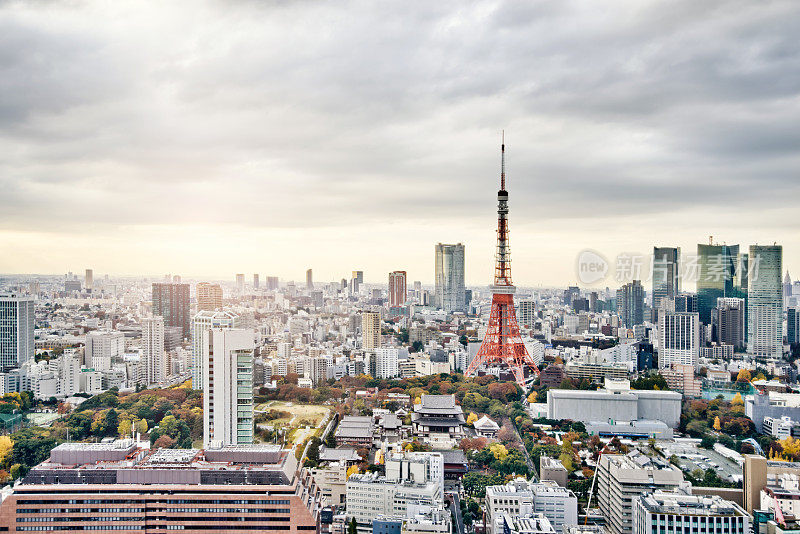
pixel 668 404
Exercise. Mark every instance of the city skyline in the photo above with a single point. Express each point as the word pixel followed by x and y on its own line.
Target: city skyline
pixel 678 124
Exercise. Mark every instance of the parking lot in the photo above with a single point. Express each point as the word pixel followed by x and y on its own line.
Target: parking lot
pixel 691 458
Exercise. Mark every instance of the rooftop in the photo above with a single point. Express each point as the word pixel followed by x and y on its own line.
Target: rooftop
pixel 663 502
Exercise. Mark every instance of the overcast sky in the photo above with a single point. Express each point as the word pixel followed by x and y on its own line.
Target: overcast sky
pixel 209 138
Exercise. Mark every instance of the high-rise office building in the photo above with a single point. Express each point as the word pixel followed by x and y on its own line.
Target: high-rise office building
pixel 16 330
pixel 310 279
pixel 398 293
pixel 449 278
pixel 155 358
pixel 721 272
pixel 371 329
pixel 171 301
pixel 678 338
pixel 787 285
pixel 793 325
pixel 727 320
pixel 356 279
pixel 89 280
pixel 209 296
pixel 630 304
pixel 686 302
pixel 272 283
pixel 202 321
pixel 228 394
pixel 255 281
pixel 666 276
pixel 240 281
pixel 765 302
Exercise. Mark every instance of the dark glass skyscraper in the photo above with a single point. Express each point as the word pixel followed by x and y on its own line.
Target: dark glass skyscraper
pixel 666 279
pixel 171 301
pixel 630 304
pixel 721 272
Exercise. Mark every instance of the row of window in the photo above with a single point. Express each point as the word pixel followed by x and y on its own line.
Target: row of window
pixel 141 501
pixel 151 510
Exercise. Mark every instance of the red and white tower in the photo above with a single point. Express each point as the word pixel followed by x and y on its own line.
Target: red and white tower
pixel 503 344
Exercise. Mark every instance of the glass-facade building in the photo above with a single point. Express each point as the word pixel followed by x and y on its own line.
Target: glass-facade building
pixel 765 302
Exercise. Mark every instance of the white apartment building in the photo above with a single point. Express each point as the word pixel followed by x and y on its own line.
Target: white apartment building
pixel 678 338
pixel 386 363
pixel 201 322
pixel 677 511
pixel 228 392
pixel 102 348
pixel 155 359
pixel 521 498
pixel 316 369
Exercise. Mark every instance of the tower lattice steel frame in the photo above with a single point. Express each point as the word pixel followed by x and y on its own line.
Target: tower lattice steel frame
pixel 502 343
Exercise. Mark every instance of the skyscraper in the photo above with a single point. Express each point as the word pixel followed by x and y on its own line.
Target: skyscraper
pixel 397 288
pixel 309 279
pixel 721 272
pixel 765 302
pixel 255 281
pixel 155 358
pixel 356 279
pixel 16 330
pixel 678 338
pixel 666 278
pixel 202 321
pixel 449 281
pixel 728 324
pixel 793 325
pixel 209 296
pixel 240 281
pixel 89 280
pixel 630 304
pixel 272 282
pixel 228 398
pixel 171 301
pixel 371 329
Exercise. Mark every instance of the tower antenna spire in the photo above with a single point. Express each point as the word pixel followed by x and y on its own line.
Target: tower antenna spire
pixel 503 161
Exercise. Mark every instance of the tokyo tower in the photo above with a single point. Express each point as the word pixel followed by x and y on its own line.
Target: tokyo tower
pixel 502 343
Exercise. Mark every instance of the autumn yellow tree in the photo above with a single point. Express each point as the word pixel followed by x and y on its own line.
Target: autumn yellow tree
pixel 499 451
pixel 353 470
pixel 532 397
pixel 472 418
pixel 559 361
pixel 791 447
pixel 5 448
pixel 124 428
pixel 418 400
pixel 717 424
pixel 743 376
pixel 737 399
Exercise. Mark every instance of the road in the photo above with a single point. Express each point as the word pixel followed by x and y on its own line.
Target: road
pixel 457 513
pixel 524 449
